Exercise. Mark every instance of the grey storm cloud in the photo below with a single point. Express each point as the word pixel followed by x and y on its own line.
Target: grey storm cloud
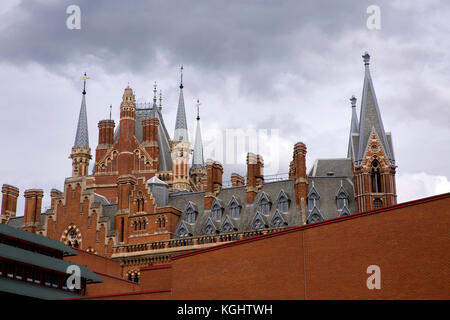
pixel 287 65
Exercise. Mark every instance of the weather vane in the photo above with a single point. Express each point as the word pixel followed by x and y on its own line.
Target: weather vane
pixel 84 78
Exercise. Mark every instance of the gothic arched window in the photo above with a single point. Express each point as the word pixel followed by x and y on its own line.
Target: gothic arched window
pixel 375 177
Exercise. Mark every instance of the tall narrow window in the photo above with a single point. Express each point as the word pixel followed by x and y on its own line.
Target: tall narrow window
pixel 376 177
pixel 342 200
pixel 234 210
pixel 283 204
pixel 216 212
pixel 264 206
pixel 313 201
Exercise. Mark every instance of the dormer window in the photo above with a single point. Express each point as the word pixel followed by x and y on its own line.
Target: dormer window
pixel 283 202
pixel 216 212
pixel 191 213
pixel 313 201
pixel 264 205
pixel 235 208
pixel 313 198
pixel 342 200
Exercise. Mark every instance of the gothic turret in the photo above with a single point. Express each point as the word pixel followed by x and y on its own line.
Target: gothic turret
pixel 181 148
pixel 81 153
pixel 181 131
pixel 372 152
pixel 198 168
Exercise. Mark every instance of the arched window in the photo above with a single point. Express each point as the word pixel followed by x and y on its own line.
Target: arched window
pixel 136 277
pixel 130 277
pixel 375 177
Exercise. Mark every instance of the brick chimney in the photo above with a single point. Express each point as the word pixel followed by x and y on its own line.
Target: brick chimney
pixel 255 175
pixel 297 172
pixel 214 171
pixel 150 139
pixel 9 202
pixel 105 138
pixel 259 174
pixel 33 204
pixel 237 180
pixel 54 194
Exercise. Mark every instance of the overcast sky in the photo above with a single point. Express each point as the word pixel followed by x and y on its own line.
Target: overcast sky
pixel 287 68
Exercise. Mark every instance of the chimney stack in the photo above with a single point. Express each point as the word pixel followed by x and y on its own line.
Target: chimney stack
pixel 237 180
pixel 298 173
pixel 150 138
pixel 214 171
pixel 9 202
pixel 33 204
pixel 105 138
pixel 255 175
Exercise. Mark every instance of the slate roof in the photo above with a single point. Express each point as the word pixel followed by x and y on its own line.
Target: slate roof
pixel 370 117
pixel 82 136
pixel 164 142
pixel 247 213
pixel 340 167
pixel 327 186
pixel 197 157
pixel 181 132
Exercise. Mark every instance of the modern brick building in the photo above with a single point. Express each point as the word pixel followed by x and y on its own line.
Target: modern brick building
pixel 147 200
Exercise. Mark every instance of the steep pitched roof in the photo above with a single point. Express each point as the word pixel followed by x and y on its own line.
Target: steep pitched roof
pixel 181 132
pixel 197 157
pixel 82 137
pixel 354 127
pixel 370 116
pixel 165 160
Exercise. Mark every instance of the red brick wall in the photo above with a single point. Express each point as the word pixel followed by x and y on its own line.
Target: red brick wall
pixel 156 277
pixel 329 260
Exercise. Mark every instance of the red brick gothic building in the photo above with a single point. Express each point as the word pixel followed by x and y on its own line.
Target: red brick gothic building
pixel 146 200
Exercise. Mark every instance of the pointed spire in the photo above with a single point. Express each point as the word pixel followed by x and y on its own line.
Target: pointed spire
pixel 160 100
pixel 82 137
pixel 181 76
pixel 181 132
pixel 370 116
pixel 110 111
pixel 197 158
pixel 353 126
